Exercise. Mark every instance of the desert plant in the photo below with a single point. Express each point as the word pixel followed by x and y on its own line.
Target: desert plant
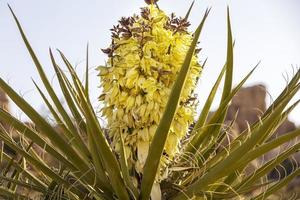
pixel 150 148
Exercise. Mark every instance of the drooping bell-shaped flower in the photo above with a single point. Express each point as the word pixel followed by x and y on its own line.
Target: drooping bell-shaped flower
pixel 144 58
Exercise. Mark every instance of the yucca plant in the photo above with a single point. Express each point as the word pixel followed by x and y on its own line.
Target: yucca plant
pixel 150 147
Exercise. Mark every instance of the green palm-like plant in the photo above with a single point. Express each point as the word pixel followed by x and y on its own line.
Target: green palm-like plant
pixel 93 163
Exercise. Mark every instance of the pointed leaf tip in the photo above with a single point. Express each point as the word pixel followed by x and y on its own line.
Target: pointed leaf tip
pixel 189 11
pixel 9 7
pixel 87 71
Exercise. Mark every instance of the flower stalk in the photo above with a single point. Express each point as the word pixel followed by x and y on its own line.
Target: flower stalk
pixel 144 59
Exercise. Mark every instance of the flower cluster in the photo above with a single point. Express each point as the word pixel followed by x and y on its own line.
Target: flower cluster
pixel 144 58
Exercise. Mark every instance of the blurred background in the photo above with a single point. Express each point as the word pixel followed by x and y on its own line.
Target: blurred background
pixel 264 30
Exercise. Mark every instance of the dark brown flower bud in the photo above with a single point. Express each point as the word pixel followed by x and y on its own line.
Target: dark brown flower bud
pixel 151 1
pixel 107 51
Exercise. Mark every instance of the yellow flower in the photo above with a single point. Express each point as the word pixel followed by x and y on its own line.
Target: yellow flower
pixel 144 58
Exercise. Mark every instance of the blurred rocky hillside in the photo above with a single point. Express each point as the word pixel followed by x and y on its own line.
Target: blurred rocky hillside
pixel 250 104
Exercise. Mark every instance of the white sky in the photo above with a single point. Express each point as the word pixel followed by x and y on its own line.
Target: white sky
pixel 266 30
